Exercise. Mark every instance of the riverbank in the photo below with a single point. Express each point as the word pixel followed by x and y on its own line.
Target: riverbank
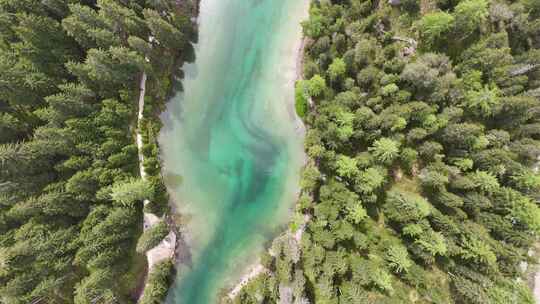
pixel 165 250
pixel 532 273
pixel 154 91
pixel 536 287
pixel 258 268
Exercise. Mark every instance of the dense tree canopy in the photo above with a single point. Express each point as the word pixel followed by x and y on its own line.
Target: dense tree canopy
pixel 422 141
pixel 70 201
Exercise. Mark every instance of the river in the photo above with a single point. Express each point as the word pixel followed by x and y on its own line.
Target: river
pixel 234 139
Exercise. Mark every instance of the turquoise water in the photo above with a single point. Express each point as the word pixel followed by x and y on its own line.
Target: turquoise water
pixel 235 140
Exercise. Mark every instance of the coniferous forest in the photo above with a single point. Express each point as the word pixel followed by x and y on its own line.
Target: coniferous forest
pixel 423 146
pixel 70 194
pixel 421 186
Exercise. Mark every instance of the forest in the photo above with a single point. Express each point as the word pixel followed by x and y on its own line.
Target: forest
pixel 70 192
pixel 423 136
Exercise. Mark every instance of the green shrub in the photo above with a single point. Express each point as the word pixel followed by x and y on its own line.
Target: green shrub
pixel 158 283
pixel 301 99
pixel 152 237
pixel 434 26
pixel 156 207
pixel 151 166
pixel 132 191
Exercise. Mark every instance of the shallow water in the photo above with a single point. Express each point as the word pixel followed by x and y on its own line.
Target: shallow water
pixel 235 140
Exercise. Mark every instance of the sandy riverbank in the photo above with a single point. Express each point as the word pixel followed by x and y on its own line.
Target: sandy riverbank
pixel 255 271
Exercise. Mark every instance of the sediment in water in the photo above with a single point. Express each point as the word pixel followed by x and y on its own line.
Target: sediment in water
pixel 234 138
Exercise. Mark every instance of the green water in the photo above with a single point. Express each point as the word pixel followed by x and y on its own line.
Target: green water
pixel 235 140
